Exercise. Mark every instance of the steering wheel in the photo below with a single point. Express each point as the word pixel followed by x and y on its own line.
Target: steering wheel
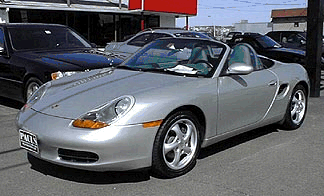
pixel 209 65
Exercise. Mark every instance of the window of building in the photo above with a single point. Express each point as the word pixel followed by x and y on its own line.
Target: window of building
pixel 98 28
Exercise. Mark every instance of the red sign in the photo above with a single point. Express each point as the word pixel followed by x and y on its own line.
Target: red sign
pixel 135 4
pixel 169 6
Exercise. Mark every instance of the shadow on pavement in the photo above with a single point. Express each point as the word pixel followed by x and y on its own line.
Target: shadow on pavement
pixel 10 103
pixel 236 140
pixel 89 177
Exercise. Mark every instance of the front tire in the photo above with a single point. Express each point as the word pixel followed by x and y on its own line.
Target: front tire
pixel 296 110
pixel 31 86
pixel 176 145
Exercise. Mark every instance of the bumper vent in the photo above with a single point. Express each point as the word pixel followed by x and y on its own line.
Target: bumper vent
pixel 77 156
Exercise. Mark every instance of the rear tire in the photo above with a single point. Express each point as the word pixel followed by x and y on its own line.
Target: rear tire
pixel 176 145
pixel 31 86
pixel 296 110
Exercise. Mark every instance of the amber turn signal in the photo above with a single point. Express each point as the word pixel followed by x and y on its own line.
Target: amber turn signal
pixel 152 123
pixel 90 124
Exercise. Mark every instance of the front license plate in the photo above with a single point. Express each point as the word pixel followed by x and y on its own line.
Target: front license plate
pixel 28 141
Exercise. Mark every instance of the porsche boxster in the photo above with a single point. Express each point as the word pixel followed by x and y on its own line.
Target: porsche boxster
pixel 161 106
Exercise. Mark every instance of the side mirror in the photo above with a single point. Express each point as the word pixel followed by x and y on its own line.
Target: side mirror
pixel 239 69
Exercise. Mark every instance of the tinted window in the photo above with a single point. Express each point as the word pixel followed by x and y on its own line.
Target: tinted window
pixel 141 40
pixel 274 35
pixel 267 42
pixel 45 38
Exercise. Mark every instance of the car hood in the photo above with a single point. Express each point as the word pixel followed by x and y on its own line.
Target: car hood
pixel 289 50
pixel 73 96
pixel 75 60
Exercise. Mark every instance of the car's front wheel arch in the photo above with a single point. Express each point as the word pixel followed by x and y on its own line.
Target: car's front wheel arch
pixel 197 112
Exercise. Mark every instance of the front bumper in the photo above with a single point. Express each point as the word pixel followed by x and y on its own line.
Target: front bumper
pixel 118 148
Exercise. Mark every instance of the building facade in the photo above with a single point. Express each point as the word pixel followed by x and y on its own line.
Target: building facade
pixel 100 21
pixel 246 27
pixel 289 19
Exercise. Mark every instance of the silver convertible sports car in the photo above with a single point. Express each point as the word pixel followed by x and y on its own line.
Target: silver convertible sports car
pixel 161 106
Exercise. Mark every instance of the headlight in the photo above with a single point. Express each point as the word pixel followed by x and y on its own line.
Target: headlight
pixel 57 75
pixel 105 115
pixel 37 95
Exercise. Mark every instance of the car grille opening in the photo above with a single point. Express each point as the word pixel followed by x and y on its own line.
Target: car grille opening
pixel 77 156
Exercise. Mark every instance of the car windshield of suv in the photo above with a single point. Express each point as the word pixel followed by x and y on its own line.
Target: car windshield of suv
pixel 194 57
pixel 49 37
pixel 267 42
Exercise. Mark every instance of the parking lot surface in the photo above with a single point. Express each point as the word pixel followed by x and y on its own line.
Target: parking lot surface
pixel 265 161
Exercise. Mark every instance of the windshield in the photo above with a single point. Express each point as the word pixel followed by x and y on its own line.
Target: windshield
pixel 47 37
pixel 267 42
pixel 178 56
pixel 191 34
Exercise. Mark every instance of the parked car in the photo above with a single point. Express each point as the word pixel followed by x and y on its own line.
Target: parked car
pixel 230 35
pixel 32 54
pixel 266 46
pixel 160 106
pixel 131 45
pixel 291 39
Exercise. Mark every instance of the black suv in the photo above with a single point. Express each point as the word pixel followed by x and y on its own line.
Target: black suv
pixel 32 54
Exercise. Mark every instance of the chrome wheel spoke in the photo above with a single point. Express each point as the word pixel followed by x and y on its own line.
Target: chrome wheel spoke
pixel 172 146
pixel 177 130
pixel 176 159
pixel 293 111
pixel 187 136
pixel 294 100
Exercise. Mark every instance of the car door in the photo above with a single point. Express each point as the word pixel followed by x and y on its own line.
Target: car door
pixel 244 100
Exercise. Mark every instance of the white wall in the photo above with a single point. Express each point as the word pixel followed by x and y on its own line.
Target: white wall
pixel 167 21
pixel 262 28
pixel 289 27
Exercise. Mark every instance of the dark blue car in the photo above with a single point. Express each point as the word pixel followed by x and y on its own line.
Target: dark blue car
pixel 32 54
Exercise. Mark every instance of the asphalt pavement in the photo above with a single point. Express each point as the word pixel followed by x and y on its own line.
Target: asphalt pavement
pixel 265 161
